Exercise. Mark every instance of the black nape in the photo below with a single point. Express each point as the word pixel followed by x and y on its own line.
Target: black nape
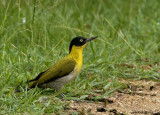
pixel 77 41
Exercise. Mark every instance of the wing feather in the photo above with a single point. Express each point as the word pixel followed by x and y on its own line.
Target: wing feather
pixel 58 70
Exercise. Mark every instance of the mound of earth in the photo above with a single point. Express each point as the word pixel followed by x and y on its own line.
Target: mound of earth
pixel 143 97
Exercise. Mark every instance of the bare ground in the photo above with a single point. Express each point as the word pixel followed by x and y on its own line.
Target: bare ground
pixel 142 98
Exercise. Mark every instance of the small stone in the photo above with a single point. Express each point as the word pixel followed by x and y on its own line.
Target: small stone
pixel 151 88
pixel 113 111
pixel 101 109
pixel 156 113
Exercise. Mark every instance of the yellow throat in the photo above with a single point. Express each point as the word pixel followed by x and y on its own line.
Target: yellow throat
pixel 76 54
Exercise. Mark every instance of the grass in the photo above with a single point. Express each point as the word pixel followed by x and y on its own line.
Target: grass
pixel 36 34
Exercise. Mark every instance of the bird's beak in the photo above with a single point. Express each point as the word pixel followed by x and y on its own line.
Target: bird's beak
pixel 90 39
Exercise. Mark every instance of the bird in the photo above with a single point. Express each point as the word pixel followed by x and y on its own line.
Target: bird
pixel 65 70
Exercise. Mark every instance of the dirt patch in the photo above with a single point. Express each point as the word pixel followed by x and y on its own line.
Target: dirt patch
pixel 142 97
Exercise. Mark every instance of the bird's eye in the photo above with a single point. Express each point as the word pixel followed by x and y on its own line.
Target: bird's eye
pixel 81 40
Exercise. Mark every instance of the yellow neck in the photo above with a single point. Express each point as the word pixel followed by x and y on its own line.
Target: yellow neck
pixel 76 53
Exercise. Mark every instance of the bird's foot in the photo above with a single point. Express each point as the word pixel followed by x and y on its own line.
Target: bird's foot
pixel 62 95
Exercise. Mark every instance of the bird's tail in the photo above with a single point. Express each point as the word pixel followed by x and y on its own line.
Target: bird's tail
pixel 32 83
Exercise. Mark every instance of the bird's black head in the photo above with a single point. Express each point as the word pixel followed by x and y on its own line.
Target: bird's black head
pixel 79 41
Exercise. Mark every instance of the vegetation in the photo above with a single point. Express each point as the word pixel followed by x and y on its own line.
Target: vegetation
pixel 36 34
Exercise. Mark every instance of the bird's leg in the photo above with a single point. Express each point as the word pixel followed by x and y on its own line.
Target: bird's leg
pixel 59 91
pixel 63 96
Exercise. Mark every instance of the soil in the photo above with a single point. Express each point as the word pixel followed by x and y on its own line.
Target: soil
pixel 141 98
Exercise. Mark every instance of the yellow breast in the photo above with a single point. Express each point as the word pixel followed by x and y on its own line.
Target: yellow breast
pixel 76 54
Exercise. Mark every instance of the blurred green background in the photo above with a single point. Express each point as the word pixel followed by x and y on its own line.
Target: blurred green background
pixel 34 34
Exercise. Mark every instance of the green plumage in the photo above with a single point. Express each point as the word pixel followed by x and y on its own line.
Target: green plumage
pixel 65 70
pixel 60 69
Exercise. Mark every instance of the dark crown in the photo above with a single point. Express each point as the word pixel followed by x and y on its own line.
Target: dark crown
pixel 77 41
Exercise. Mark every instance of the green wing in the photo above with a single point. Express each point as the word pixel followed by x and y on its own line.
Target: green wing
pixel 58 70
